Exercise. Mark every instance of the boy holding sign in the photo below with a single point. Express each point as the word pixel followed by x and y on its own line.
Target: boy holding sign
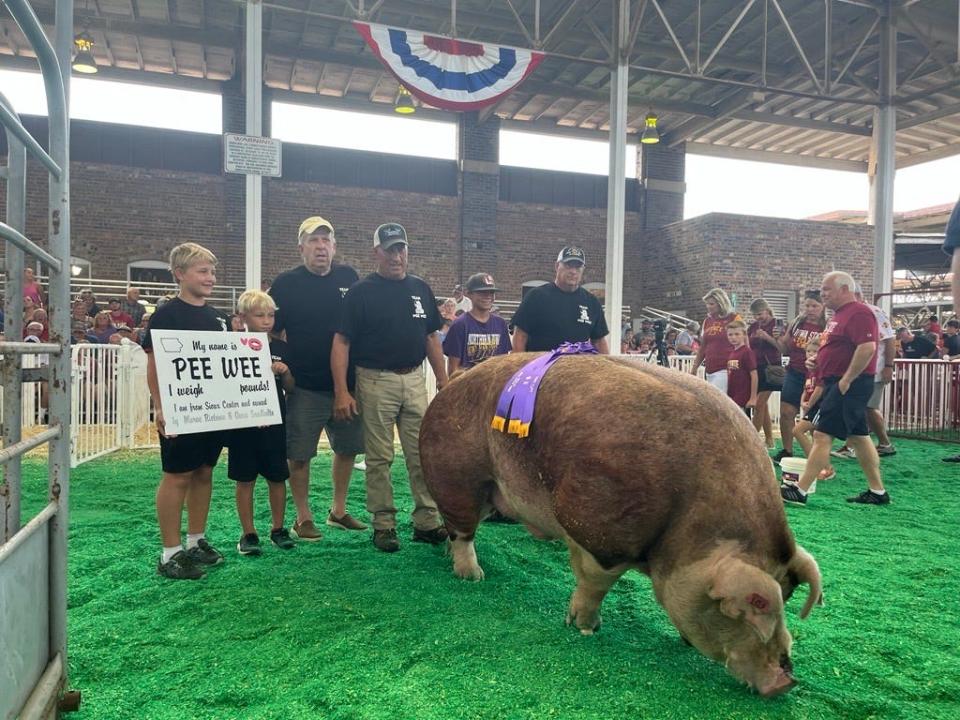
pixel 262 450
pixel 187 460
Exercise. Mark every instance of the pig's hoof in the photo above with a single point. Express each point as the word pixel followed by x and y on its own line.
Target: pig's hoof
pixel 586 621
pixel 474 572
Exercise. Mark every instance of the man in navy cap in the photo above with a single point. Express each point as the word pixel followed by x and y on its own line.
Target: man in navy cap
pixel 388 326
pixel 561 311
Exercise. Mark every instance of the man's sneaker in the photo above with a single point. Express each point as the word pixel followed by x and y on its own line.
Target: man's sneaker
pixel 281 538
pixel 249 545
pixel 435 536
pixel 869 497
pixel 781 455
pixel 306 531
pixel 952 459
pixel 886 450
pixel 344 522
pixel 179 567
pixel 386 540
pixel 793 495
pixel 844 452
pixel 203 553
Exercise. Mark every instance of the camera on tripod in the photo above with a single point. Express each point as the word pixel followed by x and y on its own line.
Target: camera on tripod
pixel 659 326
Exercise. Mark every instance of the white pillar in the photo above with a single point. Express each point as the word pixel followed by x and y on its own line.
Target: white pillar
pixel 884 143
pixel 254 126
pixel 617 178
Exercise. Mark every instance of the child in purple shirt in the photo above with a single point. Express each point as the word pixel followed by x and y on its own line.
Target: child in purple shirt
pixel 477 334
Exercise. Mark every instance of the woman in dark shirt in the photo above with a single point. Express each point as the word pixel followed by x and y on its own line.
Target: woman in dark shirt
pixel 763 333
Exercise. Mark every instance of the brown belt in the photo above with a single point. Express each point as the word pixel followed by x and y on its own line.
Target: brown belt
pixel 404 371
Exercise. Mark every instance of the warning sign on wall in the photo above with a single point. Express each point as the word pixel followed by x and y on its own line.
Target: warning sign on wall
pixel 252 155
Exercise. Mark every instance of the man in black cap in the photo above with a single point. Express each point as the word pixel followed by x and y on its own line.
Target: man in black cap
pixel 561 311
pixel 389 324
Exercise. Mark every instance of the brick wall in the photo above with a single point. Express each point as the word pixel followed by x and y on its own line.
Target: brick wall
pixel 748 255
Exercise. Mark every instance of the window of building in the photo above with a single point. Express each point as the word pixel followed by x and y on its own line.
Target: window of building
pixel 79 268
pixel 148 271
pixel 119 102
pixel 557 152
pixel 312 125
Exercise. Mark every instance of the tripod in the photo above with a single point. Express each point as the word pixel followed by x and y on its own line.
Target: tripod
pixel 659 347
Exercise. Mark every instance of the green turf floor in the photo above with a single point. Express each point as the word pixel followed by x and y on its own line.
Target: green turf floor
pixel 339 630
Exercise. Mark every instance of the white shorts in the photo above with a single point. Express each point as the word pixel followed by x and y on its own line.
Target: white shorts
pixel 719 380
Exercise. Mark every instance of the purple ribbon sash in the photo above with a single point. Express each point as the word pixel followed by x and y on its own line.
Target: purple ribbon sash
pixel 519 397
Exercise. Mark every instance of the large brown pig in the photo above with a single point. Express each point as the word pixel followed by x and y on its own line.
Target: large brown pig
pixel 633 467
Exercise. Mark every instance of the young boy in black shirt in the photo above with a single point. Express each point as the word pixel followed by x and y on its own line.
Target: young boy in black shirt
pixel 187 460
pixel 262 450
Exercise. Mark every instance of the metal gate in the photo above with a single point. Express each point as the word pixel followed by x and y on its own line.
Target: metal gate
pixel 33 558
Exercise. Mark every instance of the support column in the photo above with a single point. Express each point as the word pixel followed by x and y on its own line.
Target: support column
pixel 883 166
pixel 616 179
pixel 661 171
pixel 479 194
pixel 254 126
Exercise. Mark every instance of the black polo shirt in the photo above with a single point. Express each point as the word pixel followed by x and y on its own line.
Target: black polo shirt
pixel 551 317
pixel 388 321
pixel 309 308
pixel 179 315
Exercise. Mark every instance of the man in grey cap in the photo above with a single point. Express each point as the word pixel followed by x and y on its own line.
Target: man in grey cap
pixel 389 324
pixel 561 311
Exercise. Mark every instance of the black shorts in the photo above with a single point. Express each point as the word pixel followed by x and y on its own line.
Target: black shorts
pixel 844 415
pixel 812 412
pixel 258 451
pixel 186 453
pixel 792 389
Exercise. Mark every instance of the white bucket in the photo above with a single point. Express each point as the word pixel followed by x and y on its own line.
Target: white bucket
pixel 792 468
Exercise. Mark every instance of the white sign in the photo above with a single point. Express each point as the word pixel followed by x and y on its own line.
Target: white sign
pixel 214 380
pixel 252 155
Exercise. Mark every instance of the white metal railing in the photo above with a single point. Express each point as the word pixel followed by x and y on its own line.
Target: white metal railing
pixel 924 399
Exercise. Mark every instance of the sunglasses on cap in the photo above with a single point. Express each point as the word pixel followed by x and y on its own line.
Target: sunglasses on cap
pixel 811 295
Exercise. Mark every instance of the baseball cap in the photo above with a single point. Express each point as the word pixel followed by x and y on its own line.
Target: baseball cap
pixel 480 282
pixel 572 254
pixel 389 234
pixel 312 224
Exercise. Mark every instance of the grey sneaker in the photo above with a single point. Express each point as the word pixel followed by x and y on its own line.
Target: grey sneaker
pixel 250 545
pixel 434 536
pixel 281 538
pixel 386 540
pixel 306 531
pixel 203 553
pixel 844 452
pixel 179 567
pixel 886 450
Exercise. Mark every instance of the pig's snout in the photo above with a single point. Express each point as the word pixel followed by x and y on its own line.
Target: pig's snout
pixel 782 682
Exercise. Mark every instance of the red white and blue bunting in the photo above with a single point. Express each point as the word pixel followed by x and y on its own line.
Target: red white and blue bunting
pixel 449 74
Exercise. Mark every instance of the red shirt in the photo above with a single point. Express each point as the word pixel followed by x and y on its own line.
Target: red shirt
pixel 812 381
pixel 716 347
pixel 851 325
pixel 121 318
pixel 739 364
pixel 766 353
pixel 802 333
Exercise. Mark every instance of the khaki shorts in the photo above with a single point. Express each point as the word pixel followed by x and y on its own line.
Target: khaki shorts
pixel 874 402
pixel 308 413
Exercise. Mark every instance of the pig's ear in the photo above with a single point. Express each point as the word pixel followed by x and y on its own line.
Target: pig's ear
pixel 805 569
pixel 746 591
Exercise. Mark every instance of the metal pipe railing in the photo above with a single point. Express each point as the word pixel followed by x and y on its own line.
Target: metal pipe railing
pixel 29 348
pixel 24 446
pixel 22 242
pixel 24 533
pixel 10 121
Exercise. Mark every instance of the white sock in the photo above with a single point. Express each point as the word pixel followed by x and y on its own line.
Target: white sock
pixel 878 492
pixel 193 539
pixel 169 552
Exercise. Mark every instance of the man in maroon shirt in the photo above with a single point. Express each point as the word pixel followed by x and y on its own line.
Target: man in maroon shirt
pixel 847 363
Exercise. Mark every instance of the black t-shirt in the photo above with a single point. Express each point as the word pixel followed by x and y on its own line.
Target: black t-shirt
pixel 919 347
pixel 280 352
pixel 952 344
pixel 388 321
pixel 551 317
pixel 179 315
pixel 309 308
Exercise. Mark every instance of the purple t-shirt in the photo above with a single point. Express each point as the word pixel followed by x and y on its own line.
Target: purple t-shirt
pixel 472 341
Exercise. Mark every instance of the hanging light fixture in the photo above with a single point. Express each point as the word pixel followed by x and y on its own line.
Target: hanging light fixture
pixel 83 61
pixel 404 104
pixel 650 135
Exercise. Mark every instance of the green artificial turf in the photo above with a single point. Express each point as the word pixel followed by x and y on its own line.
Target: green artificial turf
pixel 338 630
